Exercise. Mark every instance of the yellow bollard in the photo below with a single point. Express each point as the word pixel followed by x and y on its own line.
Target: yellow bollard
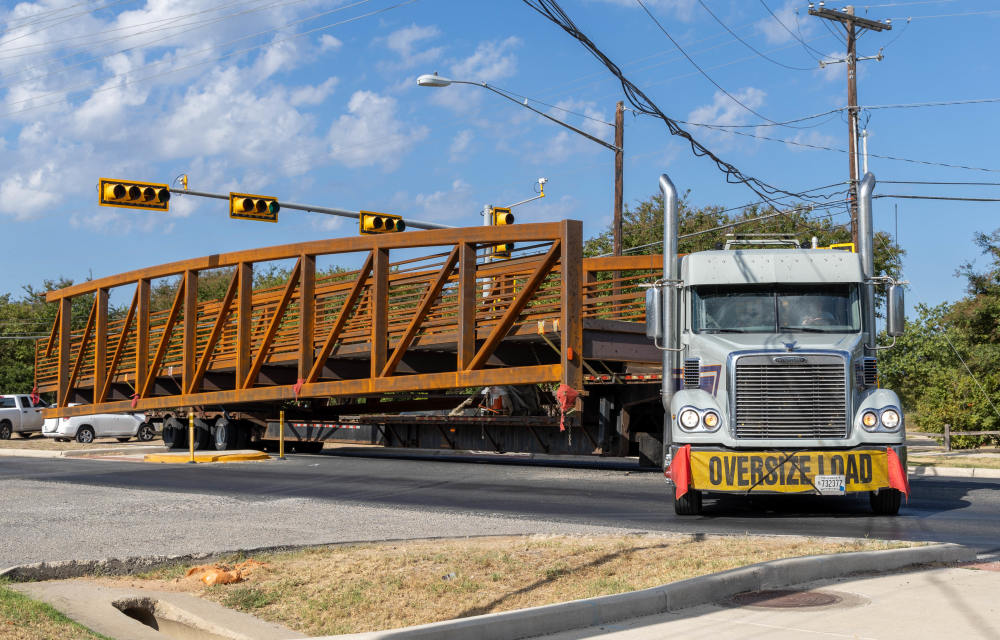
pixel 281 434
pixel 191 436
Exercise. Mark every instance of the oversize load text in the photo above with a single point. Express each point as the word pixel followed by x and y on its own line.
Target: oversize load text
pixel 787 472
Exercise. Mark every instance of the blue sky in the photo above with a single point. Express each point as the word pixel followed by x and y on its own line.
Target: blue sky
pixel 316 102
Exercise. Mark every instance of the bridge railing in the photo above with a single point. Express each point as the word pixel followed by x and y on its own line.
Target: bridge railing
pixel 249 345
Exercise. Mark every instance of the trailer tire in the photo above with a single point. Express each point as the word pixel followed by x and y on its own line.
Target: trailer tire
pixel 308 447
pixel 174 435
pixel 225 435
pixel 688 504
pixel 885 502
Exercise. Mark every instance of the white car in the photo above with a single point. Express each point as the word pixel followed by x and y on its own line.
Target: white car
pixel 123 426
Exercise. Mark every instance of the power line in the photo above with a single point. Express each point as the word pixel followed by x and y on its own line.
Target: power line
pixel 551 10
pixel 794 35
pixel 955 198
pixel 946 103
pixel 972 184
pixel 700 70
pixel 748 45
pixel 872 155
pixel 754 126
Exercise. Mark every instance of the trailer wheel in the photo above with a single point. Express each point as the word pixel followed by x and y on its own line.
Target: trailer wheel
pixel 308 447
pixel 225 435
pixel 174 435
pixel 688 504
pixel 885 502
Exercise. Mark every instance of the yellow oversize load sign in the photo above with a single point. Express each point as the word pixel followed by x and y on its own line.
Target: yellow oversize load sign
pixel 787 472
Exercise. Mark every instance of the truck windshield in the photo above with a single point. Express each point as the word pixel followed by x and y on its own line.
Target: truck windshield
pixel 774 308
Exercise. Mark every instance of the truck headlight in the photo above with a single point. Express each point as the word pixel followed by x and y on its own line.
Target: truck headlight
pixel 689 419
pixel 869 420
pixel 890 419
pixel 711 420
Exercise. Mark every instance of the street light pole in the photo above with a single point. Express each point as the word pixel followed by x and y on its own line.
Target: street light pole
pixel 434 80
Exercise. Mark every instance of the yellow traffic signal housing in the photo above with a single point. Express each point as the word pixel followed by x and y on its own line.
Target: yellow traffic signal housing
pixel 370 222
pixel 133 195
pixel 500 216
pixel 247 206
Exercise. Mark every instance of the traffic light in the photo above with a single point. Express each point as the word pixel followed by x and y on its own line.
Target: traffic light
pixel 500 216
pixel 246 206
pixel 373 222
pixel 133 195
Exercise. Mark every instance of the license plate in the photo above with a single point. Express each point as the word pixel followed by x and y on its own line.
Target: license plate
pixel 830 485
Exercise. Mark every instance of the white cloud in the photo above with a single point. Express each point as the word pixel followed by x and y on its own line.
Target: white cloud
pixel 330 43
pixel 404 43
pixel 313 95
pixel 725 111
pixel 809 137
pixel 24 195
pixel 460 144
pixel 371 134
pixel 491 61
pixel 773 30
pixel 455 204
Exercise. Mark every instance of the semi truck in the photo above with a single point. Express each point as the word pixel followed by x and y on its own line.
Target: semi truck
pixel 774 354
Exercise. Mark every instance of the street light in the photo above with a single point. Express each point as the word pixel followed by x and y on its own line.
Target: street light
pixel 434 80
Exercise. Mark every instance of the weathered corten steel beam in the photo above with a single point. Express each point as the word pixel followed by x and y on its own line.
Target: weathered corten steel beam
pixel 333 389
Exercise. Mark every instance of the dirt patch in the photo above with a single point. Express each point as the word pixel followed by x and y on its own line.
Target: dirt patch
pixel 367 587
pixel 986 459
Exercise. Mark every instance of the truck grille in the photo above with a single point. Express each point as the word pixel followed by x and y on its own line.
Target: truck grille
pixel 794 397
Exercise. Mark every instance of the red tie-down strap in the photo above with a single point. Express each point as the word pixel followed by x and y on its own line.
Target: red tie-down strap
pixel 680 470
pixel 135 400
pixel 897 473
pixel 35 398
pixel 298 387
pixel 566 395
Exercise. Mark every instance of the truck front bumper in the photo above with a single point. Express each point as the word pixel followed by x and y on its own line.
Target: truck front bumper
pixel 815 471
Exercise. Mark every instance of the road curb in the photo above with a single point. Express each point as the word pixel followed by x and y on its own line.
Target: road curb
pixel 548 619
pixel 977 473
pixel 73 453
pixel 181 457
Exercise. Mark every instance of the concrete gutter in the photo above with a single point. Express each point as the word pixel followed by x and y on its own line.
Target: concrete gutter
pixel 77 453
pixel 592 612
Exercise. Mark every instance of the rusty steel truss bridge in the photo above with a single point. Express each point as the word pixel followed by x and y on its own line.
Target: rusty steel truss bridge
pixel 427 313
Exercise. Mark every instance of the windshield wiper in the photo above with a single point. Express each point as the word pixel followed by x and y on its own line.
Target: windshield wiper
pixel 803 329
pixel 726 330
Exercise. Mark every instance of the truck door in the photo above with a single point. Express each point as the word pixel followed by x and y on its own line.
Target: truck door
pixel 31 416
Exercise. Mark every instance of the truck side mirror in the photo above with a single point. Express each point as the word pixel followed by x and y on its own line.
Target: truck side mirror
pixel 896 315
pixel 654 313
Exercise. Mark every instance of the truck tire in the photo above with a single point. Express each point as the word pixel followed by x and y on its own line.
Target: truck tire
pixel 308 447
pixel 174 435
pixel 885 502
pixel 688 504
pixel 225 435
pixel 85 434
pixel 5 430
pixel 202 439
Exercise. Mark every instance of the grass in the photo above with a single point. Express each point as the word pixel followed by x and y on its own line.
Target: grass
pixel 22 618
pixel 367 587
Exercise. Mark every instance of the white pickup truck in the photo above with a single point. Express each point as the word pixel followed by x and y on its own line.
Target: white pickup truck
pixel 18 414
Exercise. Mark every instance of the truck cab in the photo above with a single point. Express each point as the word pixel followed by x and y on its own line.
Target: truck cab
pixel 775 383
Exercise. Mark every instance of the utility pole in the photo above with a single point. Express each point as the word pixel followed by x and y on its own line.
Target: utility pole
pixel 619 172
pixel 851 23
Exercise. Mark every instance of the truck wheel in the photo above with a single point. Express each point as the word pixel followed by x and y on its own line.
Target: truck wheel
pixel 5 430
pixel 174 436
pixel 85 434
pixel 202 439
pixel 688 504
pixel 885 502
pixel 225 435
pixel 146 432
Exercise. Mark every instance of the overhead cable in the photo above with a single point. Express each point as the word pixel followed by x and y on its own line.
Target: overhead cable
pixel 551 10
pixel 750 46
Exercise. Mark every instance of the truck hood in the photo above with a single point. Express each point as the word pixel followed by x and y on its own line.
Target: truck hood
pixel 727 342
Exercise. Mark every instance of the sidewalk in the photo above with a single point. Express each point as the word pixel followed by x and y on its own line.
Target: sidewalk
pixel 952 602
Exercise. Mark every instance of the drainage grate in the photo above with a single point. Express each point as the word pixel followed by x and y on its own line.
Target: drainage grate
pixel 785 599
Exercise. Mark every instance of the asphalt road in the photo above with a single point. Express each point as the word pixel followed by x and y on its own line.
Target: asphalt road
pixel 65 509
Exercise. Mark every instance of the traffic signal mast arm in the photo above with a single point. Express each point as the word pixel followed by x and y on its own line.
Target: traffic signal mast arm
pixel 418 224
